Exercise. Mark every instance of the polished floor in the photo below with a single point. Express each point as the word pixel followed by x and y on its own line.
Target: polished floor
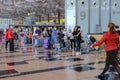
pixel 46 66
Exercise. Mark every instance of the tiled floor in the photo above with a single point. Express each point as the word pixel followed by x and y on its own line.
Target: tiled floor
pixel 25 66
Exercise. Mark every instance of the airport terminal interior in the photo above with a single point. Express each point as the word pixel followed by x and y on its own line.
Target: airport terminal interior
pixel 53 39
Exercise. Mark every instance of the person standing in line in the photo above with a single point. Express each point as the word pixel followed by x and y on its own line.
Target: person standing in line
pixel 38 31
pixel 71 38
pixel 111 40
pixel 55 40
pixel 22 39
pixel 49 34
pixel 11 39
pixel 54 35
pixel 6 39
pixel 25 41
pixel 77 37
pixel 29 38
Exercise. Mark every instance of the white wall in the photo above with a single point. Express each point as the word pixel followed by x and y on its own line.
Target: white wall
pixel 105 14
pixel 70 14
pixel 115 12
pixel 93 16
pixel 82 15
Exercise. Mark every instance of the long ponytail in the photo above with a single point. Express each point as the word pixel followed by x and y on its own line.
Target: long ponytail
pixel 111 27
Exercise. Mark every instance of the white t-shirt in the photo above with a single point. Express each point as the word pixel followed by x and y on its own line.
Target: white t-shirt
pixel 71 36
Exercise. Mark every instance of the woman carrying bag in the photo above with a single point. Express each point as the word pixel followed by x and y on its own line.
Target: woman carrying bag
pixel 77 38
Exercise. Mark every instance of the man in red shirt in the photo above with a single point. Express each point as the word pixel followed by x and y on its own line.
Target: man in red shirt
pixel 11 39
pixel 111 40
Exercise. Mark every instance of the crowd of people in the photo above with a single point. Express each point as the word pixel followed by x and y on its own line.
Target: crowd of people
pixel 47 37
pixel 60 38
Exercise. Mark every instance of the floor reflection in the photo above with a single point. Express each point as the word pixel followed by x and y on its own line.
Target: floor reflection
pixel 6 72
pixel 82 68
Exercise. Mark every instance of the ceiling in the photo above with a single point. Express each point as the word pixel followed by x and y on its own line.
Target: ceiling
pixel 18 9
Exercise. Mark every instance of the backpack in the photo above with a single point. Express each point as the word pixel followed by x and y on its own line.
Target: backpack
pixel 92 39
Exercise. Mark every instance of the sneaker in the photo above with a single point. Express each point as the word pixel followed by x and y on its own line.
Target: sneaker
pixel 101 76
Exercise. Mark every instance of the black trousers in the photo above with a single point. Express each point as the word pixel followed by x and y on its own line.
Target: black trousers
pixel 72 42
pixel 6 44
pixel 49 43
pixel 11 45
pixel 78 45
pixel 107 66
pixel 111 59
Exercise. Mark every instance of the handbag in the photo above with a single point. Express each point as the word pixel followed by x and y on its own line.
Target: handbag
pixel 75 37
pixel 118 55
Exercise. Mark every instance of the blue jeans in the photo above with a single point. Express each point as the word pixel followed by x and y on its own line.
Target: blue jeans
pixel 54 40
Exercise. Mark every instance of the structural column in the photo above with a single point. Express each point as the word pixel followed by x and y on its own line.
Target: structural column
pixel 59 17
pixel 48 17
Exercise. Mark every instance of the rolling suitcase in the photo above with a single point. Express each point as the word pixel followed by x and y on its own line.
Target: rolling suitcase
pixel 45 45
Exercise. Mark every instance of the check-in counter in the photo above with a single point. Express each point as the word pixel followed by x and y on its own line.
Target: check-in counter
pixel 98 35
